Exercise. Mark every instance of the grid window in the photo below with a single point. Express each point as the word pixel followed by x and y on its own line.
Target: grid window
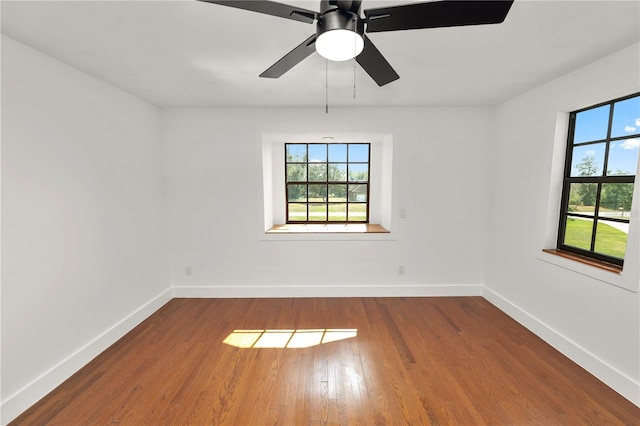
pixel 600 168
pixel 327 182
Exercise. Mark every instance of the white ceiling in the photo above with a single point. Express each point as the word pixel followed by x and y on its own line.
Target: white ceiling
pixel 189 53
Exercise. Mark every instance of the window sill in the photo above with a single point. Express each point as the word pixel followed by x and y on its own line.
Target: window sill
pixel 338 228
pixel 585 260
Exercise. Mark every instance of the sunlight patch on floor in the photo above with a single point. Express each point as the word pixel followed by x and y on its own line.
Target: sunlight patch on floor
pixel 302 338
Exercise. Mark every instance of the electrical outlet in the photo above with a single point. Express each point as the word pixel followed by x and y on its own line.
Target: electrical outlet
pixel 403 213
pixel 188 270
pixel 401 270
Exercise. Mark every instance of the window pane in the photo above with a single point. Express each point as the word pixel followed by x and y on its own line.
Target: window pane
pixel 587 160
pixel 358 172
pixel 337 192
pixel 317 152
pixel 358 193
pixel 611 238
pixel 359 152
pixel 327 182
pixel 338 212
pixel 592 124
pixel 582 198
pixel 297 211
pixel 297 152
pixel 623 157
pixel 626 117
pixel 337 172
pixel 578 232
pixel 317 212
pixel 357 212
pixel 296 172
pixel 337 152
pixel 603 152
pixel 317 172
pixel 317 192
pixel 297 193
pixel 615 200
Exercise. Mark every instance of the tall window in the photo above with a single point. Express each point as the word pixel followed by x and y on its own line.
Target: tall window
pixel 327 182
pixel 600 169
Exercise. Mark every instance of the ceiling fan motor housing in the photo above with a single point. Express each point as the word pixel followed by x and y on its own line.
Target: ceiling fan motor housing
pixel 339 19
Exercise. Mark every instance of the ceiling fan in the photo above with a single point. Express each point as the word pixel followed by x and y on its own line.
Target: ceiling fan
pixel 340 30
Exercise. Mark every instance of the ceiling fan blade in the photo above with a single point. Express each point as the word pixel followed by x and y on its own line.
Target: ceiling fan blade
pixel 271 8
pixel 443 13
pixel 291 59
pixel 372 61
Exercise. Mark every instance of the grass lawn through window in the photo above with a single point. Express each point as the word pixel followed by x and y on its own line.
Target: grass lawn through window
pixel 609 241
pixel 337 210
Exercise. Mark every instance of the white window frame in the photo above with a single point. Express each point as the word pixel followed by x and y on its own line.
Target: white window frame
pixel 272 184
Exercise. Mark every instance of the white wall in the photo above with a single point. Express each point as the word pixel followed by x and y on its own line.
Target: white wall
pixel 83 230
pixel 573 306
pixel 214 190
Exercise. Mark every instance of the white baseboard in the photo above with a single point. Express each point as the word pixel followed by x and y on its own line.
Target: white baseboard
pixel 15 404
pixel 269 291
pixel 613 378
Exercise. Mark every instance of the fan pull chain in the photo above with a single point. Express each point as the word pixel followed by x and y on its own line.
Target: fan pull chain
pixel 355 50
pixel 354 78
pixel 326 86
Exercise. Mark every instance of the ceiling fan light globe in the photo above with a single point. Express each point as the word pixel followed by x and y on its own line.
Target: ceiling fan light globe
pixel 339 44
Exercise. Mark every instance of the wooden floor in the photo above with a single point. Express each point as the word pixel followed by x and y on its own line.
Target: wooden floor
pixel 419 361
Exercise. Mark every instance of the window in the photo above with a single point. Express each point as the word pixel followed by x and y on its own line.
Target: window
pixel 600 169
pixel 327 182
pixel 380 216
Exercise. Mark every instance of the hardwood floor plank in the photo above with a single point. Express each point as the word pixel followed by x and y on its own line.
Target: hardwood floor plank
pixel 419 361
pixel 398 341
